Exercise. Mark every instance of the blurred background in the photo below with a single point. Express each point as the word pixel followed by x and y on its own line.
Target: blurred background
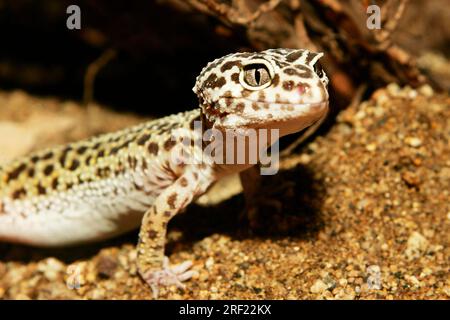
pixel 143 56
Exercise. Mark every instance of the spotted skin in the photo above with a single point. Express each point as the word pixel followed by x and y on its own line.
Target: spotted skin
pixel 104 186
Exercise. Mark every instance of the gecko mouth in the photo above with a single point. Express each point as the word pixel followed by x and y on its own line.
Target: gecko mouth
pixel 215 112
pixel 252 111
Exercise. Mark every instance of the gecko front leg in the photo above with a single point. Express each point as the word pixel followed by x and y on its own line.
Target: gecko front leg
pixel 153 266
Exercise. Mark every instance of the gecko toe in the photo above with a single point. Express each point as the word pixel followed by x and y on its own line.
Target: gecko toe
pixel 168 275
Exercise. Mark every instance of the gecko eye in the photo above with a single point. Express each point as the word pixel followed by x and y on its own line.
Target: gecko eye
pixel 255 76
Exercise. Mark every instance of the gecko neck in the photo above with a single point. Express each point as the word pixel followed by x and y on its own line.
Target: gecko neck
pixel 239 148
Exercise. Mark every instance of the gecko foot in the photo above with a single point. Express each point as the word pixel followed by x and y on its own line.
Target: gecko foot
pixel 168 275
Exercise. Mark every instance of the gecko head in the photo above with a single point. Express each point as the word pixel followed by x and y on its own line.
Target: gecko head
pixel 283 88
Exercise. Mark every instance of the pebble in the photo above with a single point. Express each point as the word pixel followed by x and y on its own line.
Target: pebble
pixel 209 263
pixel 393 89
pixel 413 141
pixel 371 147
pixel 318 287
pixel 426 90
pixel 416 245
pixel 51 268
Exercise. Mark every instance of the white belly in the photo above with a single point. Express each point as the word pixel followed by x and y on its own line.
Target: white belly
pixel 105 209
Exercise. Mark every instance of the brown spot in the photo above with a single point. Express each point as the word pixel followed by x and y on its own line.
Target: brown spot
pixel 82 149
pixel 31 172
pixel 195 174
pixel 2 208
pixel 16 172
pixel 74 165
pixel 144 164
pixel 291 72
pixel 132 162
pixel 168 214
pixel 227 94
pixel 48 169
pixel 255 106
pixel 120 166
pixel 55 183
pixel 18 193
pixel 115 139
pixel 277 97
pixel 183 182
pixel 281 64
pixel 106 267
pixel 137 187
pixel 143 139
pixel 230 64
pixel 240 107
pixel 101 154
pixel 114 150
pixel 310 57
pixel 169 144
pixel 41 190
pixel 103 172
pixel 261 96
pixel 47 156
pixel 214 82
pixel 305 71
pixel 153 148
pixel 228 101
pixel 288 85
pixel 275 80
pixel 245 93
pixel 88 160
pixel 34 159
pixel 235 77
pixel 294 55
pixel 63 157
pixel 152 234
pixel 171 200
pixel 69 185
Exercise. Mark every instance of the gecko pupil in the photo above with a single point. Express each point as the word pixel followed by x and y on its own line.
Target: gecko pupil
pixel 256 75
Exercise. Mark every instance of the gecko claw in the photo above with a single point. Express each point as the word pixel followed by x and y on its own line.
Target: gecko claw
pixel 168 275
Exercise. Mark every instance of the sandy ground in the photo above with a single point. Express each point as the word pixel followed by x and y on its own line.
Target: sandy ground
pixel 365 213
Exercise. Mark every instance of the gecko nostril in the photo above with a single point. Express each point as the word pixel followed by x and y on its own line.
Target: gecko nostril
pixel 302 88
